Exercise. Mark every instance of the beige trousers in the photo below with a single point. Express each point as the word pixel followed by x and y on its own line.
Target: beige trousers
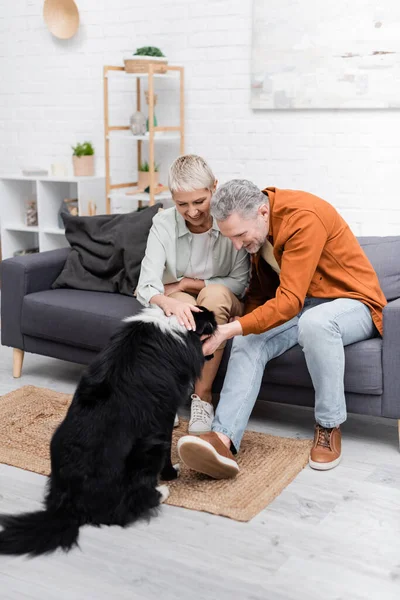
pixel 215 297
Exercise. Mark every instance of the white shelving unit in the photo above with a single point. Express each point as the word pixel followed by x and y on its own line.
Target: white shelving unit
pixel 16 190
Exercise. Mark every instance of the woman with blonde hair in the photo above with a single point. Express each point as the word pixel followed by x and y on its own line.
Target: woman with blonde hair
pixel 189 262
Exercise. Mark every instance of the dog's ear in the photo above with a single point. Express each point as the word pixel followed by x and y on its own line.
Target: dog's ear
pixel 205 321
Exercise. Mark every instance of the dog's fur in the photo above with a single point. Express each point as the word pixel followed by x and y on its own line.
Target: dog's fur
pixel 115 441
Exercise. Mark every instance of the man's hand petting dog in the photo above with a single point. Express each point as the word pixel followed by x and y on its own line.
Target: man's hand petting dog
pixel 222 333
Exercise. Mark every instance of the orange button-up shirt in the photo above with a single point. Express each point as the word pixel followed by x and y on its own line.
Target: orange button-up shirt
pixel 318 256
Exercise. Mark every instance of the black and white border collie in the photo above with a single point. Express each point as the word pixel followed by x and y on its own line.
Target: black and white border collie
pixel 114 445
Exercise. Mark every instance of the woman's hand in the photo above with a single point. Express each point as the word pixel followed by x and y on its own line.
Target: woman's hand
pixel 182 311
pixel 186 284
pixel 172 288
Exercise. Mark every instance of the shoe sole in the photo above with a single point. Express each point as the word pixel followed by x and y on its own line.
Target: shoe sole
pixel 203 458
pixel 324 466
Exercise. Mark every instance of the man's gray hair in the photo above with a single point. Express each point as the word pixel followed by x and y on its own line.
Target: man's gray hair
pixel 237 196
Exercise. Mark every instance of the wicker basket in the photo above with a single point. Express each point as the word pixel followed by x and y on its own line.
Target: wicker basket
pixel 141 64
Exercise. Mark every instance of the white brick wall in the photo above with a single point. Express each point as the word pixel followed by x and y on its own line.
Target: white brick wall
pixel 51 96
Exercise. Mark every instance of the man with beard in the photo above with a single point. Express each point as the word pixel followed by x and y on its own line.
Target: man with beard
pixel 311 284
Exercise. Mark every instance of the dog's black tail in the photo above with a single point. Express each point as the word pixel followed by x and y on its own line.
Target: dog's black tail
pixel 38 532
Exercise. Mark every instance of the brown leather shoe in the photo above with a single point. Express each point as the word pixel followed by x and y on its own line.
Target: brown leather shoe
pixel 208 454
pixel 327 449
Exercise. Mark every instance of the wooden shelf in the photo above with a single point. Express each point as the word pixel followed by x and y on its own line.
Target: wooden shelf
pixel 67 179
pixel 142 196
pixel 20 227
pixel 54 230
pixel 123 73
pixel 159 136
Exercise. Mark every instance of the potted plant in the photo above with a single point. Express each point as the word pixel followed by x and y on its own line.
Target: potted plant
pixel 144 175
pixel 143 57
pixel 83 159
pixel 151 51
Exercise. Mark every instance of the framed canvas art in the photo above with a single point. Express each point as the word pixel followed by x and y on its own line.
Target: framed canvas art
pixel 333 54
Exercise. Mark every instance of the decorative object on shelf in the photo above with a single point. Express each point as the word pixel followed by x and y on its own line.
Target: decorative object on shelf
pixel 59 170
pixel 143 58
pixel 158 190
pixel 24 251
pixel 144 175
pixel 154 112
pixel 61 18
pixel 34 172
pixel 138 123
pixel 31 216
pixel 83 159
pixel 69 206
pixel 151 51
pixel 92 209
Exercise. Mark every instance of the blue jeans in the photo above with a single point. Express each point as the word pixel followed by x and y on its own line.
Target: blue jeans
pixel 322 328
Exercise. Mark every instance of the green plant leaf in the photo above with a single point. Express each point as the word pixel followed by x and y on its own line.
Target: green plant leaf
pixel 145 167
pixel 148 51
pixel 85 149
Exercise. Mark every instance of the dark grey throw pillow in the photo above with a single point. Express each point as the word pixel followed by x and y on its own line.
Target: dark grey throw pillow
pixel 106 251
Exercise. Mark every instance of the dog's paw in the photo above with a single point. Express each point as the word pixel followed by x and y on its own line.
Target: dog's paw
pixel 177 468
pixel 170 473
pixel 163 490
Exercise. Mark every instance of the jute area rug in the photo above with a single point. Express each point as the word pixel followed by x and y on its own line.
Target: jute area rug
pixel 28 417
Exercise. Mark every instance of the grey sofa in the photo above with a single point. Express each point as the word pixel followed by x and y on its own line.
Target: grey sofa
pixel 74 325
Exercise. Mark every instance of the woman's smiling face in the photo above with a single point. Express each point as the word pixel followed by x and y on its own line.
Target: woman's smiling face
pixel 194 206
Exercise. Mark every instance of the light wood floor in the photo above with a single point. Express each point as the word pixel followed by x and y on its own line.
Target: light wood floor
pixel 328 536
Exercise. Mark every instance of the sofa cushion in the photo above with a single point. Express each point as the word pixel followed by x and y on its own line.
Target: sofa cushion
pixel 107 251
pixel 75 317
pixel 384 255
pixel 363 374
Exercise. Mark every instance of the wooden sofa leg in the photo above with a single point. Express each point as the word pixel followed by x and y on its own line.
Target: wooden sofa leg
pixel 18 359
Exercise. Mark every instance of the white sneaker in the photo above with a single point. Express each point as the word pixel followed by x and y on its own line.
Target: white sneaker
pixel 176 421
pixel 201 416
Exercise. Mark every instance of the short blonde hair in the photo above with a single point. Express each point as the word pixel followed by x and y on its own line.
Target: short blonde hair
pixel 189 173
